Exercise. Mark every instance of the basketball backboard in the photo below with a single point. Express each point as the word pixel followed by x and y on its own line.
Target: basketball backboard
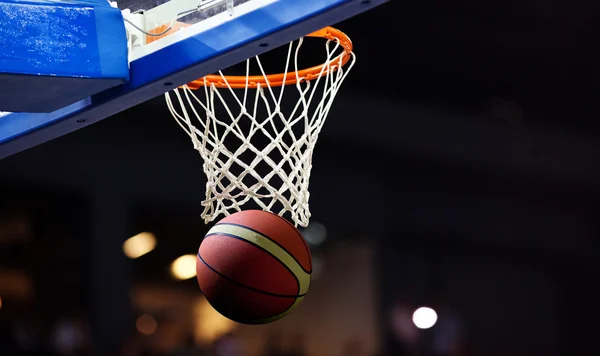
pixel 217 34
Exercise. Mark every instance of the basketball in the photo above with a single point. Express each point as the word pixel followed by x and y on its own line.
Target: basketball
pixel 254 267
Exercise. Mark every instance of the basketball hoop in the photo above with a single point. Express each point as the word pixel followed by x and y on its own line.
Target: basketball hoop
pixel 240 168
pixel 277 80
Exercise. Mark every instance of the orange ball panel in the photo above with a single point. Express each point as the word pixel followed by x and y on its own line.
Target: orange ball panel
pixel 236 302
pixel 276 228
pixel 248 265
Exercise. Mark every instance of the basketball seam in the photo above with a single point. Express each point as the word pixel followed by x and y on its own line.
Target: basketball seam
pixel 301 239
pixel 250 321
pixel 273 241
pixel 262 249
pixel 248 287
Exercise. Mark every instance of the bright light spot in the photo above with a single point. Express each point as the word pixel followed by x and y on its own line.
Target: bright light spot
pixel 0 302
pixel 184 267
pixel 315 233
pixel 139 244
pixel 146 324
pixel 424 318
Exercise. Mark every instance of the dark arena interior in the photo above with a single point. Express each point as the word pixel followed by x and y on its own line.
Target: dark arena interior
pixel 458 170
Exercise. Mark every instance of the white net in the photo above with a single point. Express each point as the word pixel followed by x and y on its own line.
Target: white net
pixel 255 148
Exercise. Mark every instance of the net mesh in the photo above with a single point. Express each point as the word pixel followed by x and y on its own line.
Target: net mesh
pixel 255 148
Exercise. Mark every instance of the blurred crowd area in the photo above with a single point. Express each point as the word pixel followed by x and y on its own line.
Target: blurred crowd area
pixel 50 303
pixel 71 336
pixel 63 292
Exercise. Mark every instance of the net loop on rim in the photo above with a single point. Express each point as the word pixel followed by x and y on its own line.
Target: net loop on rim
pixel 255 147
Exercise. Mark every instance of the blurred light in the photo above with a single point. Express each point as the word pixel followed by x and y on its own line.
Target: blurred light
pixel 315 233
pixel 139 245
pixel 424 318
pixel 0 302
pixel 16 283
pixel 184 267
pixel 146 324
pixel 66 336
pixel 209 324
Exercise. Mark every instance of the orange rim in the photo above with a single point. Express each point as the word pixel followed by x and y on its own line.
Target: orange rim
pixel 276 80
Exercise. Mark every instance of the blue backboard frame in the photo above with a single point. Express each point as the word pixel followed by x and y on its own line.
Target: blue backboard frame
pixel 271 26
